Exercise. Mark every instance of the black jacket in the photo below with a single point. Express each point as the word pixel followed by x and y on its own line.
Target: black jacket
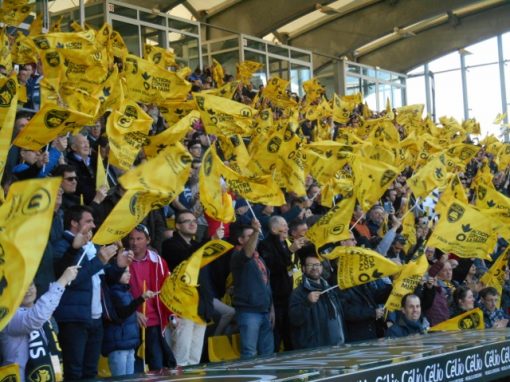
pixel 319 324
pixel 360 303
pixel 277 257
pixel 86 177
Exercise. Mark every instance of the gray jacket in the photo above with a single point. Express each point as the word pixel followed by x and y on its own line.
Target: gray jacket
pixel 14 338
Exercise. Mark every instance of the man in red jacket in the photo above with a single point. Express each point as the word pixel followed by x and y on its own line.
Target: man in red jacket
pixel 149 270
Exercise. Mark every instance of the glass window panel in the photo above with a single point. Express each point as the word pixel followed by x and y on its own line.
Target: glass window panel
pixel 369 72
pixel 328 81
pixel 450 61
pixel 123 11
pixel 129 33
pixel 278 68
pixel 94 10
pixel 182 25
pixel 279 50
pixel 415 90
pixel 448 95
pixel 383 75
pixel 298 75
pixel 384 93
pixel 153 36
pixel 484 96
pixel 353 68
pixel 153 18
pixel 307 57
pixel 228 60
pixel 352 85
pixel 96 21
pixel 483 52
pixel 185 49
pixel 224 44
pixel 396 96
pixel 369 94
pixel 248 43
pixel 506 46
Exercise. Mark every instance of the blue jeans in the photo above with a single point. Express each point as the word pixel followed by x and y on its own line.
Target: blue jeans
pixel 122 362
pixel 256 334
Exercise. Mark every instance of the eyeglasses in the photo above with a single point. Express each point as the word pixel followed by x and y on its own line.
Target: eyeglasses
pixel 142 228
pixel 187 221
pixel 71 178
pixel 314 266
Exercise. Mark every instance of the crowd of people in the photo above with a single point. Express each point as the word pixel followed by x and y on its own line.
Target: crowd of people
pixel 273 287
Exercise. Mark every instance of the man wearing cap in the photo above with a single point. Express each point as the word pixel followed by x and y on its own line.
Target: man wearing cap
pixel 148 271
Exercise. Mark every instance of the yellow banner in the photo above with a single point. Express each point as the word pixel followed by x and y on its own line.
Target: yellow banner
pixel 406 282
pixel 217 73
pixel 16 15
pixel 472 319
pixel 159 56
pixel 28 208
pixel 156 143
pixel 260 189
pixel 8 105
pixel 465 231
pixel 10 373
pixel 224 117
pixel 127 131
pixel 226 91
pixel 148 83
pixel 246 69
pixel 495 276
pixel 179 291
pixel 433 175
pixel 149 186
pixel 357 265
pixel 454 191
pixel 334 226
pixel 101 177
pixel 371 180
pixel 174 111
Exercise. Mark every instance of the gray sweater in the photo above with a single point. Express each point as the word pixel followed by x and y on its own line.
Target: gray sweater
pixel 14 338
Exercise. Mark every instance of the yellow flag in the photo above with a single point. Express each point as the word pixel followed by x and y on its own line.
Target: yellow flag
pixel 334 226
pixel 261 189
pixel 465 231
pixel 493 203
pixel 156 143
pixel 101 178
pixel 371 180
pixel 127 131
pixel 148 83
pixel 434 174
pixel 276 92
pixel 119 48
pixel 323 167
pixel 344 106
pixel 10 373
pixel 409 230
pixel 8 105
pixel 226 91
pixel 49 123
pixel 357 265
pixel 78 99
pixel 28 208
pixel 406 282
pixel 322 110
pixel 246 69
pixel 224 117
pixel 159 56
pixel 472 319
pixel 174 111
pixel 179 291
pixel 382 131
pixel 340 185
pixel 111 92
pixel 236 154
pixel 495 276
pixel 5 52
pixel 313 89
pixel 217 73
pixel 454 191
pixel 15 15
pixel 149 186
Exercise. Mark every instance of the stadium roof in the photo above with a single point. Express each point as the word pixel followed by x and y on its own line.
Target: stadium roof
pixel 394 34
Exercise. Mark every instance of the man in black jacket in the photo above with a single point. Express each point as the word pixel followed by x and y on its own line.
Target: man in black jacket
pixel 315 311
pixel 188 336
pixel 277 254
